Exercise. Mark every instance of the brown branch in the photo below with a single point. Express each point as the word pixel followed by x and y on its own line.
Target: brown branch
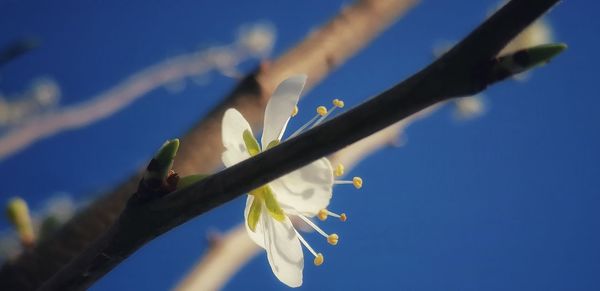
pixel 467 69
pixel 221 262
pixel 316 56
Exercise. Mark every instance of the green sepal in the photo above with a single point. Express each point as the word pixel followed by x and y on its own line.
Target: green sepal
pixel 189 180
pixel 273 144
pixel 254 213
pixel 271 203
pixel 251 143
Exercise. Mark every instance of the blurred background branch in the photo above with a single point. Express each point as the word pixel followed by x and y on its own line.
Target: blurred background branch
pixel 16 49
pixel 317 55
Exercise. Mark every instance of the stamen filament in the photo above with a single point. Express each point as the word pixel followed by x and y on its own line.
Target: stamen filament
pixel 356 181
pixel 303 241
pixel 313 225
pixel 302 128
pixel 325 113
pixel 324 116
pixel 324 213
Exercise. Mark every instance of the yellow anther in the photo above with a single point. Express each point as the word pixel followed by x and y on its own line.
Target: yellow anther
pixel 321 110
pixel 319 259
pixel 357 182
pixel 338 103
pixel 295 111
pixel 343 217
pixel 333 239
pixel 323 213
pixel 339 170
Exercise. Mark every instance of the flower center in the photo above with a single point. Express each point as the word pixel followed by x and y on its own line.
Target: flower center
pixel 263 195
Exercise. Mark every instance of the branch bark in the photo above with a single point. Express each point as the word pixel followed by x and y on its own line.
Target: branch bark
pixel 465 70
pixel 317 55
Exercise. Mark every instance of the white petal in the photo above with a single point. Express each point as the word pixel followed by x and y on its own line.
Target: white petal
pixel 233 127
pixel 284 251
pixel 306 190
pixel 258 235
pixel 280 107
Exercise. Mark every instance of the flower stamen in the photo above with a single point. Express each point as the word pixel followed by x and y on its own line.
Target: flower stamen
pixel 337 103
pixel 356 181
pixel 305 126
pixel 319 259
pixel 324 213
pixel 339 170
pixel 332 239
pixel 318 256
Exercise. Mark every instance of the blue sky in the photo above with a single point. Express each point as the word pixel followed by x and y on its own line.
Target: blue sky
pixel 508 201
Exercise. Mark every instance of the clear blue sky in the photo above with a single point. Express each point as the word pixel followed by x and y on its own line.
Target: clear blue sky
pixel 508 201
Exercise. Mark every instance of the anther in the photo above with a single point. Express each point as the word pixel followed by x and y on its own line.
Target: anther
pixel 323 213
pixel 319 259
pixel 338 103
pixel 357 182
pixel 333 239
pixel 321 110
pixel 294 111
pixel 343 217
pixel 339 170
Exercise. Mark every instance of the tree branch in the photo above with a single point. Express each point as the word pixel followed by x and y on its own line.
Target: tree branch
pixel 200 151
pixel 467 69
pixel 227 254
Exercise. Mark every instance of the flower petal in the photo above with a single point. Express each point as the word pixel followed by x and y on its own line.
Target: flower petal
pixel 306 190
pixel 233 127
pixel 284 251
pixel 280 107
pixel 257 235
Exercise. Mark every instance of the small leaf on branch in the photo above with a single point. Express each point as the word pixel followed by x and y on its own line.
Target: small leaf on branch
pixel 525 59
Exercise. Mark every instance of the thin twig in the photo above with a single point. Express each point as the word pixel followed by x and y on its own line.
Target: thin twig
pixel 321 52
pixel 465 70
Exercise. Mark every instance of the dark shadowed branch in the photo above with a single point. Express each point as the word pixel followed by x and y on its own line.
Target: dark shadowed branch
pixel 317 55
pixel 465 70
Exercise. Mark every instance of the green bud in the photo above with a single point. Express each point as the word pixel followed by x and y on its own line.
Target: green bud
pixel 158 169
pixel 18 214
pixel 526 59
